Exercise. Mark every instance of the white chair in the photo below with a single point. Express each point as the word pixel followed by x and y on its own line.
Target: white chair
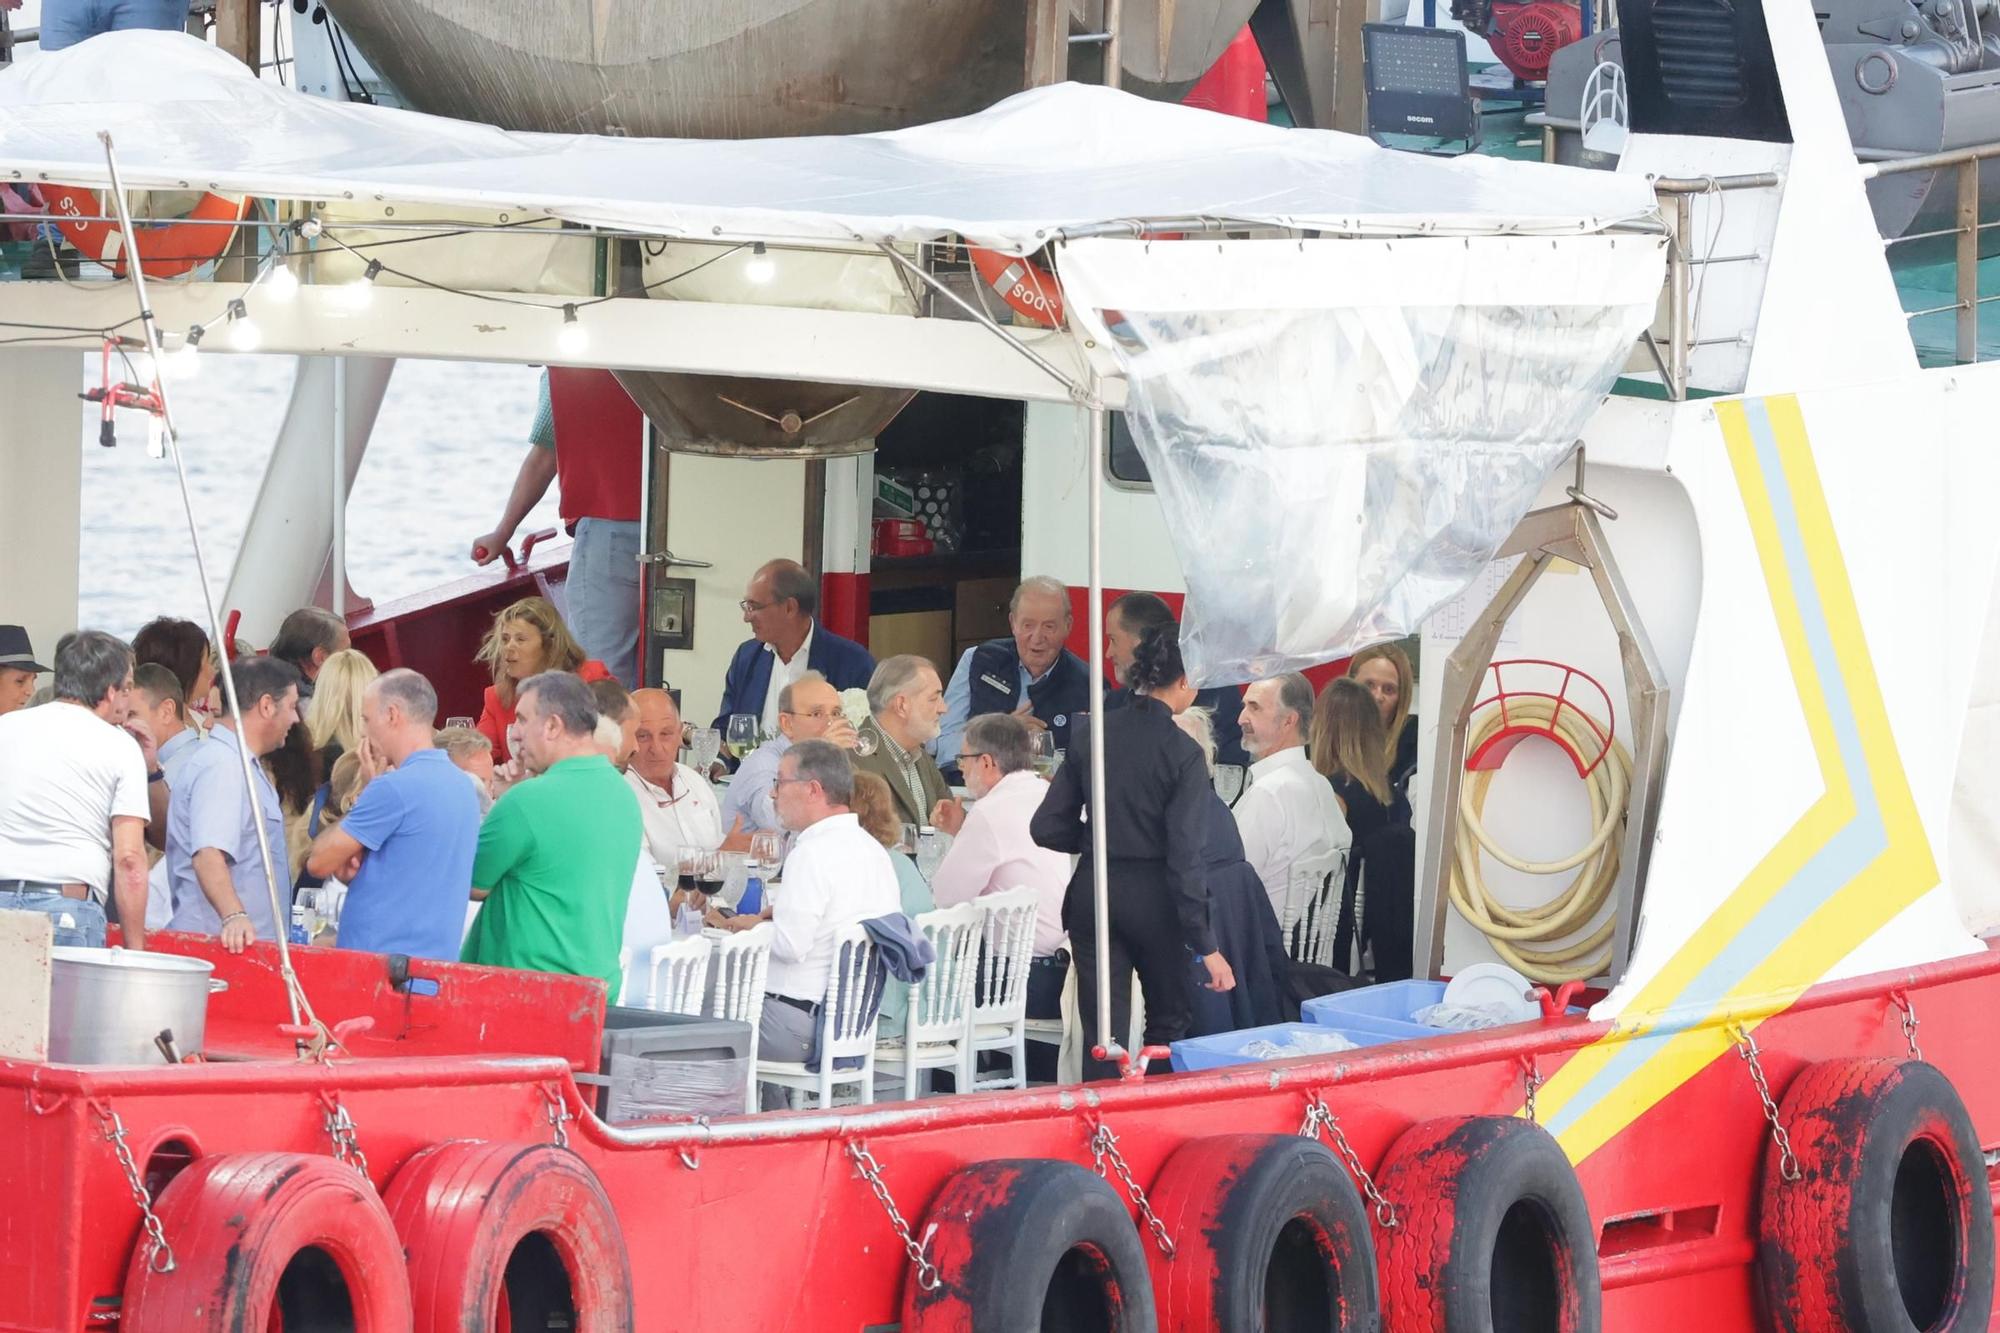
pixel 736 987
pixel 997 1019
pixel 935 1025
pixel 678 979
pixel 624 971
pixel 853 996
pixel 1312 908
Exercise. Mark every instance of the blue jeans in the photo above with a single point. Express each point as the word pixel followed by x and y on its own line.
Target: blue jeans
pixel 67 22
pixel 603 594
pixel 77 921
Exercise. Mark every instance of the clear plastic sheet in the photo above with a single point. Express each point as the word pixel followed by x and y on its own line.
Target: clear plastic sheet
pixel 652 1088
pixel 1341 433
pixel 1464 1017
pixel 1295 1044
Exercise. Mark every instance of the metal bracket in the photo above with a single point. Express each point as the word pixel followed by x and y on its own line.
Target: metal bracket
pixel 1568 532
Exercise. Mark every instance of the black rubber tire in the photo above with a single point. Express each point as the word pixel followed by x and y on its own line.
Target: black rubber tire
pixel 1889 1228
pixel 1493 1233
pixel 1269 1233
pixel 1031 1244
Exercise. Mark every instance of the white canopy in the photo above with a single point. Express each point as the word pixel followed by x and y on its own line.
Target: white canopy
pixel 185 115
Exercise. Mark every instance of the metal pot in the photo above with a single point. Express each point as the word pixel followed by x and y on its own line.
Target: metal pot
pixel 109 1006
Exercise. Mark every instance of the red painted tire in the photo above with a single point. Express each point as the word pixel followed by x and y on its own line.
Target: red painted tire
pixel 270 1240
pixel 504 1235
pixel 1890 1226
pixel 1492 1232
pixel 1269 1233
pixel 1030 1244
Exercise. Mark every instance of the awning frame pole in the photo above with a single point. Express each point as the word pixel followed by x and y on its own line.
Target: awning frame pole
pixel 1077 392
pixel 339 491
pixel 1108 1044
pixel 281 918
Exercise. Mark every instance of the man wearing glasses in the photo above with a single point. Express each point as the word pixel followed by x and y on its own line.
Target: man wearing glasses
pixel 785 643
pixel 808 710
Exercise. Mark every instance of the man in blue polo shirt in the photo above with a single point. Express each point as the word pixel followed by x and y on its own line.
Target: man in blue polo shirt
pixel 406 847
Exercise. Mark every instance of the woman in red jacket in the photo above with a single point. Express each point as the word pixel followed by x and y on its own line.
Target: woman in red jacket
pixel 527 638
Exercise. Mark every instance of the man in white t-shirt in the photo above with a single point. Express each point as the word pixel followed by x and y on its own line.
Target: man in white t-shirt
pixel 676 803
pixel 836 876
pixel 74 799
pixel 1289 818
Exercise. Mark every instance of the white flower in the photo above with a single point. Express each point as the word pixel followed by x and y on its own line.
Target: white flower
pixel 854 704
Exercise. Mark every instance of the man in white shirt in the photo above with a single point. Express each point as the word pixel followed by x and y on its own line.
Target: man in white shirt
pixel 992 851
pixel 808 710
pixel 836 876
pixel 75 797
pixel 1289 818
pixel 676 803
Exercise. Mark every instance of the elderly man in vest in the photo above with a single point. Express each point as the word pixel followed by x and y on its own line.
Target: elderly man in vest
pixel 1029 674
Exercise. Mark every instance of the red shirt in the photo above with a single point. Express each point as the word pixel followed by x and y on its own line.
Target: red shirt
pixel 600 445
pixel 495 717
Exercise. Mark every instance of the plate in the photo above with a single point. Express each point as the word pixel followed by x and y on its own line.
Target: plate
pixel 1494 986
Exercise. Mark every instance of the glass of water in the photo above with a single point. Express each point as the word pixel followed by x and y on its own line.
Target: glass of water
pixel 704 745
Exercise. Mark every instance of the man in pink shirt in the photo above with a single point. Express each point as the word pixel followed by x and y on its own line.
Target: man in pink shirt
pixel 991 851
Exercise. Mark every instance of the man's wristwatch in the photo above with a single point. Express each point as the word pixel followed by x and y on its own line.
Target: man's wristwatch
pixel 157 775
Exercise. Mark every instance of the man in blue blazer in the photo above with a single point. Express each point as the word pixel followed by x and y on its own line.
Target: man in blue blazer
pixel 786 642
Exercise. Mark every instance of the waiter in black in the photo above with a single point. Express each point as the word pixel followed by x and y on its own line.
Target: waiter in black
pixel 1029 674
pixel 1156 802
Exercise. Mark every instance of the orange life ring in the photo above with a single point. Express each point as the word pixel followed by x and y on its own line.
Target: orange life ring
pixel 1023 284
pixel 169 249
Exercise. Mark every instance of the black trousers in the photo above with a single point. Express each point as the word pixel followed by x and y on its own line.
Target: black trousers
pixel 1145 938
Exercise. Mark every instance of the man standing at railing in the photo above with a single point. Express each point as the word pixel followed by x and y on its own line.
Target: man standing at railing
pixel 589 436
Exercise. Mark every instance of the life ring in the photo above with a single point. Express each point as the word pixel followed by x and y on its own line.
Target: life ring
pixel 1024 285
pixel 1890 1223
pixel 1268 1232
pixel 168 249
pixel 1492 1232
pixel 1013 1240
pixel 504 1235
pixel 263 1239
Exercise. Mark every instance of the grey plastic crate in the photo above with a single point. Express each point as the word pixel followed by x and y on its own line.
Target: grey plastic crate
pixel 658 1065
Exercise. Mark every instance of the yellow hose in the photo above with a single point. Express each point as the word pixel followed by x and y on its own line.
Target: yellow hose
pixel 1512 930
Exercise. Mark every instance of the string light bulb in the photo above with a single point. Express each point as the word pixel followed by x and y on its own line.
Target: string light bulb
pixel 280 284
pixel 242 332
pixel 572 339
pixel 360 293
pixel 760 268
pixel 184 362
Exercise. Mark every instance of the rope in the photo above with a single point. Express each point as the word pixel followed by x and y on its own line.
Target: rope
pixel 1512 931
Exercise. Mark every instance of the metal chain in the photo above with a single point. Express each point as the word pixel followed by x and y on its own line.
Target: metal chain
pixel 1788 1163
pixel 1318 1114
pixel 557 1111
pixel 159 1254
pixel 1531 1073
pixel 342 1130
pixel 1103 1149
pixel 1902 1002
pixel 871 1171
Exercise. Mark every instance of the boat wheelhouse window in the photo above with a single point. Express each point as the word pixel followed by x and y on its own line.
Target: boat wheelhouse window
pixel 1128 465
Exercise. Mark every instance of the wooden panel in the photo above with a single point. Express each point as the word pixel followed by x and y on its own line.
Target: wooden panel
pixel 925 633
pixel 982 608
pixel 25 941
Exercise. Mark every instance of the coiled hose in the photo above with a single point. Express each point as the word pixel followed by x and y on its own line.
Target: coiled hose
pixel 1520 936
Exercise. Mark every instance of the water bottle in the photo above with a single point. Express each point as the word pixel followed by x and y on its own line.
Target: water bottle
pixel 752 901
pixel 930 851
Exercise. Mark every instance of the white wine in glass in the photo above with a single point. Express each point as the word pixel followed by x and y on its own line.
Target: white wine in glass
pixel 740 738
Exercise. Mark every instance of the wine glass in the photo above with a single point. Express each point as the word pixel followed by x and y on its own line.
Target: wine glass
pixel 1042 748
pixel 704 747
pixel 864 741
pixel 767 849
pixel 741 737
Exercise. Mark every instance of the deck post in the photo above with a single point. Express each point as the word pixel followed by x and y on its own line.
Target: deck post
pixel 238 30
pixel 1048 43
pixel 1966 269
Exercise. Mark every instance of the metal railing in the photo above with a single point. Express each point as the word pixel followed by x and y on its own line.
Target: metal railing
pixel 1966 227
pixel 1676 195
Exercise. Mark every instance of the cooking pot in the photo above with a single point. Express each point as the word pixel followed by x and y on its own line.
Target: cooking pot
pixel 109 1006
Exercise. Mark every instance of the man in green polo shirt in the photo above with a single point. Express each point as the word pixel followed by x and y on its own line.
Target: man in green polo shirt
pixel 557 853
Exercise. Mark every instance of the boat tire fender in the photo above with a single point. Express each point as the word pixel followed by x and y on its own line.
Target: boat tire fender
pixel 1493 1232
pixel 1889 1225
pixel 1016 1240
pixel 261 1239
pixel 524 1226
pixel 1268 1232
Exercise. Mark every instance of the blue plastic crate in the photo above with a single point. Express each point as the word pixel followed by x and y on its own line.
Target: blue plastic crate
pixel 1225 1048
pixel 1384 1008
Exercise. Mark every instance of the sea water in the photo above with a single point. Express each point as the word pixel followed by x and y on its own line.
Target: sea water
pixel 439 466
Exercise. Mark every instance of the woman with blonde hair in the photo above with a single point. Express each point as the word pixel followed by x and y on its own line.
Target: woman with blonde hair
pixel 526 639
pixel 333 718
pixel 1377 904
pixel 1384 670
